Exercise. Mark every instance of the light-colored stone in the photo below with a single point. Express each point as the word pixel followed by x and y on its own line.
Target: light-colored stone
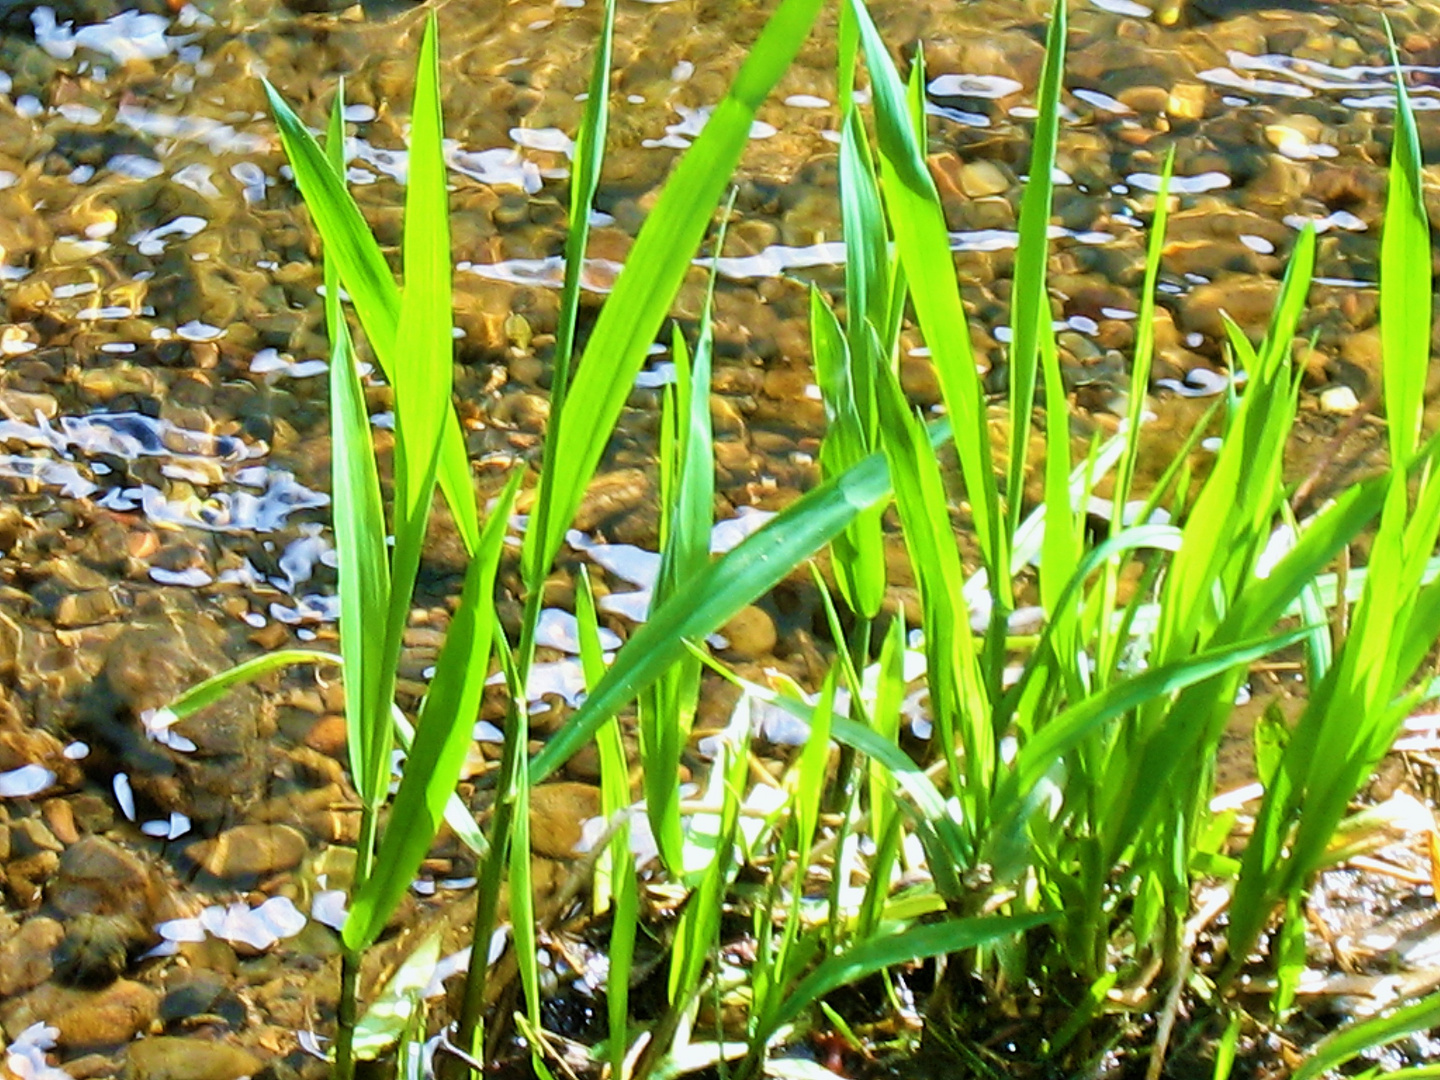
pixel 1339 399
pixel 981 178
pixel 26 959
pixel 250 851
pixel 1187 101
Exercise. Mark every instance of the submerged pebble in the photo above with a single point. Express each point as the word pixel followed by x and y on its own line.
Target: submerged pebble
pixel 250 851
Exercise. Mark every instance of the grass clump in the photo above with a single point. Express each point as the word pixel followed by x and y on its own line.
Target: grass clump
pixel 1056 834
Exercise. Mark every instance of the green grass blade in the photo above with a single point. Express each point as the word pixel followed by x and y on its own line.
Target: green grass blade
pixel 518 874
pixel 809 778
pixel 457 814
pixel 923 245
pixel 867 238
pixel 615 886
pixel 1229 522
pixel 717 593
pixel 443 736
pixel 1064 535
pixel 658 262
pixel 587 161
pixel 957 689
pixel 667 709
pixel 858 553
pixel 1355 1038
pixel 699 927
pixel 1405 282
pixel 1062 733
pixel 1030 299
pixel 367 279
pixel 363 559
pixel 1144 354
pixel 343 231
pixel 217 686
pixel 915 943
pixel 945 848
pixel 423 369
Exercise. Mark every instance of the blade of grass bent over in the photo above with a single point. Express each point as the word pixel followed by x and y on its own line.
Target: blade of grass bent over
pixel 218 685
pixel 915 943
pixel 716 594
pixel 754 566
pixel 658 262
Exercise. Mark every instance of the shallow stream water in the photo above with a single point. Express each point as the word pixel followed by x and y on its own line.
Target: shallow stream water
pixel 165 463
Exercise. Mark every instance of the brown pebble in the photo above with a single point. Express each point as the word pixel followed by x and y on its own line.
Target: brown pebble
pixel 85 1019
pixel 169 1057
pixel 112 1016
pixel 61 819
pixel 750 633
pixel 558 813
pixel 98 877
pixel 91 1066
pixel 327 735
pixel 25 959
pixel 610 495
pixel 271 636
pixel 250 851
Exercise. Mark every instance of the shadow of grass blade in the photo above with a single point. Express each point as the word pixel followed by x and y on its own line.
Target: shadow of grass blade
pixel 923 245
pixel 1405 282
pixel 363 559
pixel 657 263
pixel 442 737
pixel 371 287
pixel 1030 304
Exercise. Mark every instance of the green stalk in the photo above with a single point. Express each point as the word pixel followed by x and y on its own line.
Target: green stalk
pixel 492 873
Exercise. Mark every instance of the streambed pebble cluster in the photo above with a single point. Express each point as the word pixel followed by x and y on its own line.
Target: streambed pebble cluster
pixel 170 889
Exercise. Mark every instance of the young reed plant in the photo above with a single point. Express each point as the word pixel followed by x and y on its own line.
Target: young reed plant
pixel 1063 818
